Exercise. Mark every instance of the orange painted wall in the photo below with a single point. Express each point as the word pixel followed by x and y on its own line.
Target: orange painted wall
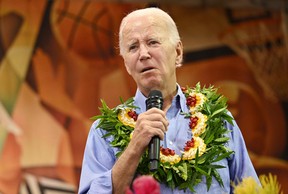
pixel 59 58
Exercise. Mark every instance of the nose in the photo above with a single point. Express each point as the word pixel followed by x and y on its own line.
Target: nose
pixel 144 52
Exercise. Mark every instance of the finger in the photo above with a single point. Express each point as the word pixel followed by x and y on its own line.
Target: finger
pixel 156 110
pixel 155 114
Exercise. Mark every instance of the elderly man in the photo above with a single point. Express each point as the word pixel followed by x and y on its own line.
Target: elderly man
pixel 152 50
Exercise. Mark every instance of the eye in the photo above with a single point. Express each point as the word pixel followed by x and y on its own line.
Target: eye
pixel 153 42
pixel 132 47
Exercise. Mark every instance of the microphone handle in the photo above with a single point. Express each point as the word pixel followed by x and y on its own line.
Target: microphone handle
pixel 154 152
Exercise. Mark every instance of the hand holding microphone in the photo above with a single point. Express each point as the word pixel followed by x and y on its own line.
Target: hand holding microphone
pixel 154 100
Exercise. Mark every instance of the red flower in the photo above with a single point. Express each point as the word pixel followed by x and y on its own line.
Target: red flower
pixel 145 185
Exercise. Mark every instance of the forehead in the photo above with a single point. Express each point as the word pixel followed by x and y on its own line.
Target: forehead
pixel 144 26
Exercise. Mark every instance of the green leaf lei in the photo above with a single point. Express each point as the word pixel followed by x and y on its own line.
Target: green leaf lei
pixel 185 174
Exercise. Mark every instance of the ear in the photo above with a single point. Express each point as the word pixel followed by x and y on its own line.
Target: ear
pixel 179 54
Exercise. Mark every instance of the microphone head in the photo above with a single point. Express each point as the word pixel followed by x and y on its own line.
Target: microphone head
pixel 154 99
pixel 155 93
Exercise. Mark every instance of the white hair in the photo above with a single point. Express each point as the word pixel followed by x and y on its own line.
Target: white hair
pixel 159 15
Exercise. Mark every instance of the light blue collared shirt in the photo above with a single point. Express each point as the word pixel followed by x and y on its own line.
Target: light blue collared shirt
pixel 99 156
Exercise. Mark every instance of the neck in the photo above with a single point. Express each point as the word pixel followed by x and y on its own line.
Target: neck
pixel 168 96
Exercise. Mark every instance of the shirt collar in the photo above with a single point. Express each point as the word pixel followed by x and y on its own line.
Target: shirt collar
pixel 140 100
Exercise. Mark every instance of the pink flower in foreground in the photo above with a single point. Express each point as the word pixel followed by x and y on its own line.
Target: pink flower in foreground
pixel 145 185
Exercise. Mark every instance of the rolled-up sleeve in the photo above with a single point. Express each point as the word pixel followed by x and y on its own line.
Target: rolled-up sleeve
pixel 98 161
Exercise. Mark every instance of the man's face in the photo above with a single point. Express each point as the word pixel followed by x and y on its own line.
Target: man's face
pixel 149 56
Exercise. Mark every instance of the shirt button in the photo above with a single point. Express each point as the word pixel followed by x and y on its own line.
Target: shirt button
pixel 171 143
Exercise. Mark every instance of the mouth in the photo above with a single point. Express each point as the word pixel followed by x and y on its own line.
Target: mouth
pixel 147 69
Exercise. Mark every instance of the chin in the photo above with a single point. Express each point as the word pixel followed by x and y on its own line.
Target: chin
pixel 153 86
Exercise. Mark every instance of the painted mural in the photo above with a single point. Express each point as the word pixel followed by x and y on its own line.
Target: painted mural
pixel 59 58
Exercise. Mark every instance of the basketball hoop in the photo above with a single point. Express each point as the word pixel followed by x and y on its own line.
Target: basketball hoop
pixel 263 44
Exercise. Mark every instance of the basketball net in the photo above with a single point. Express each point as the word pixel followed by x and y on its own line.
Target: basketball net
pixel 263 44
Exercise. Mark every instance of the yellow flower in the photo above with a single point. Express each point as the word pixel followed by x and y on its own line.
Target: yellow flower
pixel 269 185
pixel 201 124
pixel 247 186
pixel 191 153
pixel 171 159
pixel 200 99
pixel 125 118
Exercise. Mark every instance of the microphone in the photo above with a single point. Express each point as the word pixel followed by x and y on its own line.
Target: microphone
pixel 154 100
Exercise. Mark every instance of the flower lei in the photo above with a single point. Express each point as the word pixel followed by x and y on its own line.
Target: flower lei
pixel 208 110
